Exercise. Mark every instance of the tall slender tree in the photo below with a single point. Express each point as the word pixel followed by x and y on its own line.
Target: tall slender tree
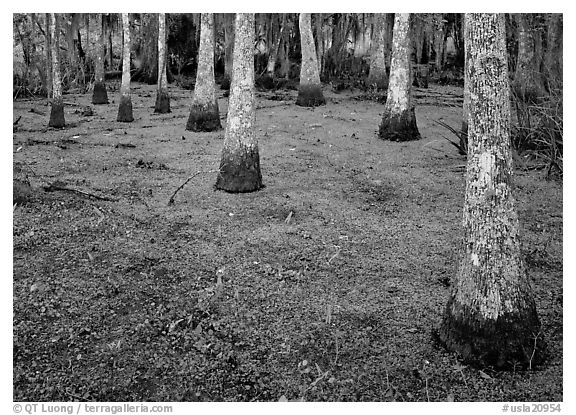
pixel 125 107
pixel 491 315
pixel 57 108
pixel 310 89
pixel 99 95
pixel 399 119
pixel 527 79
pixel 162 97
pixel 240 162
pixel 204 115
pixel 377 75
pixel 228 49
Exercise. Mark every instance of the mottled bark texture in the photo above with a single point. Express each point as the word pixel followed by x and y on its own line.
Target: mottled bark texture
pixel 491 315
pixel 240 162
pixel 162 105
pixel 99 95
pixel 125 107
pixel 57 107
pixel 204 115
pixel 465 106
pixel 377 76
pixel 399 119
pixel 310 89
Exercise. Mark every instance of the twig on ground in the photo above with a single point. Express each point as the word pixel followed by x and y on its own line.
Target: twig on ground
pixel 18 119
pixel 56 186
pixel 171 200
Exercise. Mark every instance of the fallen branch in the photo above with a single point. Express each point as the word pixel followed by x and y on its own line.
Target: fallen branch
pixel 16 122
pixel 171 200
pixel 51 187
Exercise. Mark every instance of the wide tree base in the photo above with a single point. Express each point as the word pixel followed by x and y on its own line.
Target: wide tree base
pixel 99 96
pixel 162 105
pixel 511 342
pixel 204 118
pixel 310 96
pixel 400 127
pixel 239 171
pixel 57 114
pixel 125 110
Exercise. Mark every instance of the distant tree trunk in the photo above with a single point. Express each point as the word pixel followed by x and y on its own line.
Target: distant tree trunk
pixel 125 108
pixel 48 57
pixel 377 75
pixel 240 162
pixel 162 97
pixel 527 79
pixel 310 89
pixel 490 318
pixel 228 49
pixel 439 42
pixel 274 49
pixel 284 70
pixel 204 115
pixel 399 119
pixel 57 109
pixel 319 41
pixel 99 95
pixel 553 55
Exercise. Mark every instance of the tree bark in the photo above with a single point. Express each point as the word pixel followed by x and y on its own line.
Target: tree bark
pixel 162 97
pixel 57 109
pixel 274 49
pixel 553 56
pixel 377 75
pixel 48 57
pixel 310 89
pixel 399 119
pixel 204 115
pixel 125 107
pixel 527 79
pixel 99 95
pixel 240 162
pixel 228 49
pixel 490 318
pixel 284 70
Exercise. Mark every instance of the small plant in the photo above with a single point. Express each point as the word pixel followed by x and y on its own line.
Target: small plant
pixel 462 143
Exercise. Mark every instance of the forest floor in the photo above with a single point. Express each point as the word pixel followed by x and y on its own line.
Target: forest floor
pixel 326 285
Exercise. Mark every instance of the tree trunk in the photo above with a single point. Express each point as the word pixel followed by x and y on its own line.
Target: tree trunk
pixel 490 318
pixel 377 75
pixel 125 108
pixel 284 70
pixel 399 119
pixel 57 109
pixel 48 57
pixel 319 41
pixel 162 97
pixel 527 81
pixel 439 41
pixel 274 49
pixel 240 162
pixel 228 49
pixel 99 95
pixel 310 89
pixel 553 55
pixel 466 103
pixel 204 115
